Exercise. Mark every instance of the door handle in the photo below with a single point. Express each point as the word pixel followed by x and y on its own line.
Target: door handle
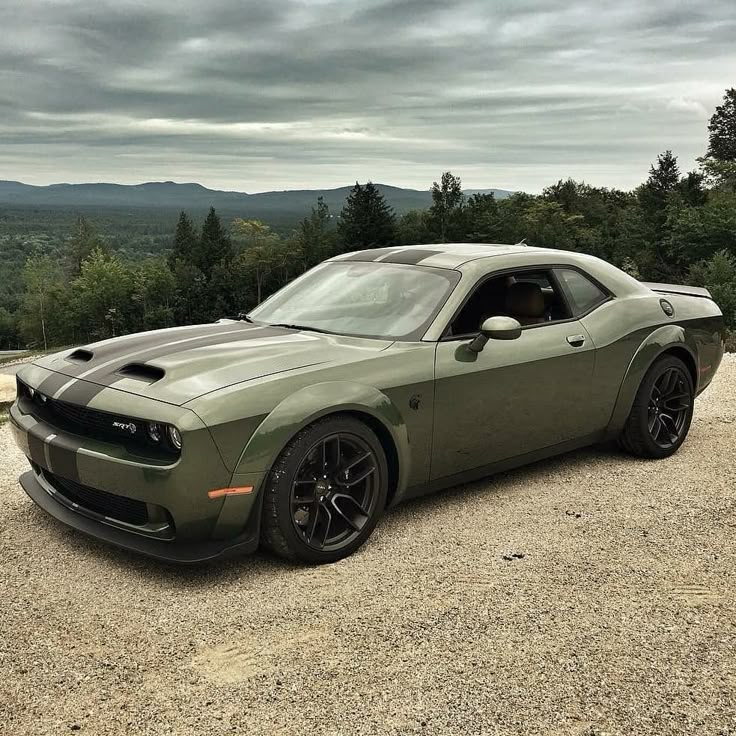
pixel 576 341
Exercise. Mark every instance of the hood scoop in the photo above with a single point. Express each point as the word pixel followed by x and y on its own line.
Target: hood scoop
pixel 142 372
pixel 81 356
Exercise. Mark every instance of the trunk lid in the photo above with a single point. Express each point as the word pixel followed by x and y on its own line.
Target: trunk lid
pixel 678 289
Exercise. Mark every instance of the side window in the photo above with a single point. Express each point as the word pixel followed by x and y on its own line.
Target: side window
pixel 530 296
pixel 582 293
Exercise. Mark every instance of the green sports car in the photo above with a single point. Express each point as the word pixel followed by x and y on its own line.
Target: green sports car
pixel 373 378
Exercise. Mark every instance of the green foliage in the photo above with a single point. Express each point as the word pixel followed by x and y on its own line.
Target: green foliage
pixel 446 211
pixel 482 219
pixel 102 296
pixel 214 247
pixel 42 278
pixel 718 275
pixel 722 130
pixel 315 237
pixel 720 175
pixel 83 242
pixel 366 221
pixel 185 243
pixel 414 228
pixel 154 291
pixel 8 330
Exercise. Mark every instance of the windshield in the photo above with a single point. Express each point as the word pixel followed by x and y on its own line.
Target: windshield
pixel 382 300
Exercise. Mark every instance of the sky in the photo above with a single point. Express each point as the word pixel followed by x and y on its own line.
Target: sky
pixel 288 94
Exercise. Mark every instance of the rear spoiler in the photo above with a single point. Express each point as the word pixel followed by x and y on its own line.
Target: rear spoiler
pixel 679 289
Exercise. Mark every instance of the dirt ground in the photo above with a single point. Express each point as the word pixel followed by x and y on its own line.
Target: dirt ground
pixel 591 594
pixel 7 389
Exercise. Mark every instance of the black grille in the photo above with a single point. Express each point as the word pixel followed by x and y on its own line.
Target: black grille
pixel 116 507
pixel 91 421
pixel 130 432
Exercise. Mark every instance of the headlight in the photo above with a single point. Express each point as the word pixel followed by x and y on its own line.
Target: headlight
pixel 174 437
pixel 154 432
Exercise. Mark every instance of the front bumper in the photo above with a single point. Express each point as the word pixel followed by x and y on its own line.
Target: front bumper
pixel 167 550
pixel 185 524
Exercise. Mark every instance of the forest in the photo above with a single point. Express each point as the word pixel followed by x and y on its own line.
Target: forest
pixel 91 282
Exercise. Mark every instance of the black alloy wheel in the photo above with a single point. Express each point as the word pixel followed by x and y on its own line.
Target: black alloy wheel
pixel 669 406
pixel 662 410
pixel 326 491
pixel 334 491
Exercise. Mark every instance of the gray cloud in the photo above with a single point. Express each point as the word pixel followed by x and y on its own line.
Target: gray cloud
pixel 294 93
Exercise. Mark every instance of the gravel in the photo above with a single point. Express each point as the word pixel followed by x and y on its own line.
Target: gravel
pixel 592 594
pixel 7 390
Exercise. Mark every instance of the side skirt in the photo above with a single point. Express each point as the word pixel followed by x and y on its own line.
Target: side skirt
pixel 467 476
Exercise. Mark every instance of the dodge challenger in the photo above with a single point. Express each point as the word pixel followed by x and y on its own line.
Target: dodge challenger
pixel 373 378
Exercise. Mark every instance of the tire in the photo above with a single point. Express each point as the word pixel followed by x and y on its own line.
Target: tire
pixel 316 507
pixel 660 420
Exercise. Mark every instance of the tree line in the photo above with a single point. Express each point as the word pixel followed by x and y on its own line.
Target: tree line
pixel 675 227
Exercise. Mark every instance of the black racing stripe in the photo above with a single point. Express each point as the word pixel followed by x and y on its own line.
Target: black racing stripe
pixel 133 343
pixel 63 458
pixel 108 376
pixel 49 386
pixel 410 256
pixel 81 392
pixel 36 447
pixel 368 255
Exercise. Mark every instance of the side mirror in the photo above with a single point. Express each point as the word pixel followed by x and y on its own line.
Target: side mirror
pixel 496 328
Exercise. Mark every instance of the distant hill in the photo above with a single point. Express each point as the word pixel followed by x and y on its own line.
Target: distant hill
pixel 283 205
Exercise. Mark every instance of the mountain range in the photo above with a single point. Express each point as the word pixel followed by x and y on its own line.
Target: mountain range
pixel 169 195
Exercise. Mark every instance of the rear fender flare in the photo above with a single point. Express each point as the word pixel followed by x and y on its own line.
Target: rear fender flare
pixel 314 402
pixel 658 342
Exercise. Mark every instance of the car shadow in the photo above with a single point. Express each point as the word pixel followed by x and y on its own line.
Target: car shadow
pixel 263 565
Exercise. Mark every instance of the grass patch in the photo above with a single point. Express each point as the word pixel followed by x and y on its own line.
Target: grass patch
pixel 4 416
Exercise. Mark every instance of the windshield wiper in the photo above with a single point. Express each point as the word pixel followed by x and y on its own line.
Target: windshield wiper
pixel 302 327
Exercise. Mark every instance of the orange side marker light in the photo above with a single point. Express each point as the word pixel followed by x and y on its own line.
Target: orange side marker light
pixel 220 492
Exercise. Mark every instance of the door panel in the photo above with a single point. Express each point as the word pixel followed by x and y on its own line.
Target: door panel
pixel 512 398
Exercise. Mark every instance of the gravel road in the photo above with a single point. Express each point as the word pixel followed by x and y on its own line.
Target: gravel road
pixel 615 613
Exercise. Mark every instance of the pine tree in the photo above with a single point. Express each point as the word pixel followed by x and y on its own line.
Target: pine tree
pixel 214 245
pixel 313 234
pixel 185 241
pixel 366 220
pixel 664 178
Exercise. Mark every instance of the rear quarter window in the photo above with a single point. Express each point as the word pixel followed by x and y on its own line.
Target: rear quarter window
pixel 582 293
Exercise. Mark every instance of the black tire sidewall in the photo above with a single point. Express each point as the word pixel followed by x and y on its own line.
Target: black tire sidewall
pixel 640 411
pixel 291 459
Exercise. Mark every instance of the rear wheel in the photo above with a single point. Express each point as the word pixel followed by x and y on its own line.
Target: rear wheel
pixel 326 492
pixel 662 411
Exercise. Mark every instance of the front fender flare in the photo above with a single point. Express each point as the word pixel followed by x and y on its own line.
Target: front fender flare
pixel 314 402
pixel 658 342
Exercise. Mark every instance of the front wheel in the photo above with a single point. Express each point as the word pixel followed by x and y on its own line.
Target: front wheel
pixel 326 492
pixel 662 411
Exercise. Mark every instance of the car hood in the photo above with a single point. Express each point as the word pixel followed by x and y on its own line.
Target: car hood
pixel 181 364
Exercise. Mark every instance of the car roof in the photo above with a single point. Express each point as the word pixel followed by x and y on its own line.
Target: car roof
pixel 438 255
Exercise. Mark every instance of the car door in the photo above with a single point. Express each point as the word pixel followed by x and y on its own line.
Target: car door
pixel 512 398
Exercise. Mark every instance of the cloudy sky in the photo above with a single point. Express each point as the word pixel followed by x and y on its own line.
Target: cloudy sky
pixel 274 94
